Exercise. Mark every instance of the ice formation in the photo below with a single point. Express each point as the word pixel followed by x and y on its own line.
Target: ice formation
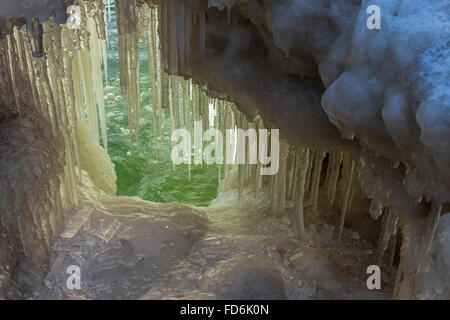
pixel 363 114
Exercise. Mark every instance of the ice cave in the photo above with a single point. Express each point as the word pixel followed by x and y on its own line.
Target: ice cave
pixel 92 91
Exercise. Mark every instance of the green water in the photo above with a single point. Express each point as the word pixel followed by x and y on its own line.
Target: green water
pixel 138 173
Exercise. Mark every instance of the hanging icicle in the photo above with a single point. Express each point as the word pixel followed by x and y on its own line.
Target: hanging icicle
pixel 318 161
pixel 303 156
pixel 126 13
pixel 388 230
pixel 346 197
pixel 153 67
pixel 332 183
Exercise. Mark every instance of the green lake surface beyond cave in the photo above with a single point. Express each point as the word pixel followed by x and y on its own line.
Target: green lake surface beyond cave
pixel 138 172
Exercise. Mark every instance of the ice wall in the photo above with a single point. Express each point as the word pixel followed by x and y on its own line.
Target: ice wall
pixel 43 98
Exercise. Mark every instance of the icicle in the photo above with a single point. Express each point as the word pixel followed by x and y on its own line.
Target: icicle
pixel 318 161
pixel 78 86
pixel 158 66
pixel 346 199
pixel 87 80
pixel 109 10
pixel 105 60
pixel 435 215
pixel 226 126
pixel 303 156
pixel 180 34
pixel 392 250
pixel 332 184
pixel 12 72
pixel 187 30
pixel 95 56
pixel 310 169
pixel 330 166
pixel 152 66
pixel 219 126
pixel 279 184
pixel 241 167
pixel 171 107
pixel 175 102
pixel 388 229
pixel 127 22
pixel 202 32
pixel 290 174
pixel 187 116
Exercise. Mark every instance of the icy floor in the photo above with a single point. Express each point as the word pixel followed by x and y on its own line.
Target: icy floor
pixel 128 248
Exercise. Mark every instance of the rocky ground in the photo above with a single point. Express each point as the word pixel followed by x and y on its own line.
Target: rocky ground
pixel 127 248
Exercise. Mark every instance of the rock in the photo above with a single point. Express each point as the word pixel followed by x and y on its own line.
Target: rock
pixel 251 277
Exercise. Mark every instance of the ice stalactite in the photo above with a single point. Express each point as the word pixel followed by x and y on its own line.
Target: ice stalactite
pixel 318 161
pixel 334 176
pixel 152 47
pixel 187 113
pixel 350 165
pixel 171 111
pixel 202 27
pixel 278 187
pixel 127 21
pixel 303 160
pixel 309 171
pixel 241 167
pixel 388 231
pixel 95 55
pixel 109 10
pixel 433 223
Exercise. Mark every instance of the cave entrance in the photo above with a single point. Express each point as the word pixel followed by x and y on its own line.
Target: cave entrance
pixel 146 170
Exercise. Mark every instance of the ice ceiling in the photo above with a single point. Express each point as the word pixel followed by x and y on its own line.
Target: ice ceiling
pixel 310 68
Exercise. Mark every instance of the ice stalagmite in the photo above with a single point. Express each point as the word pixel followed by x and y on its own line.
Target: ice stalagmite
pixel 347 192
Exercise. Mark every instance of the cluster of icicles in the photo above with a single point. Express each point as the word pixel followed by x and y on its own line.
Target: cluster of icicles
pixel 71 77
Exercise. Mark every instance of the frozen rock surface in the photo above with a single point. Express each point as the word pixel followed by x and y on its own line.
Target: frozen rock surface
pixel 127 248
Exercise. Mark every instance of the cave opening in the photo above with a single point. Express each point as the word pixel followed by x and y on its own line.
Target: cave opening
pixel 94 109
